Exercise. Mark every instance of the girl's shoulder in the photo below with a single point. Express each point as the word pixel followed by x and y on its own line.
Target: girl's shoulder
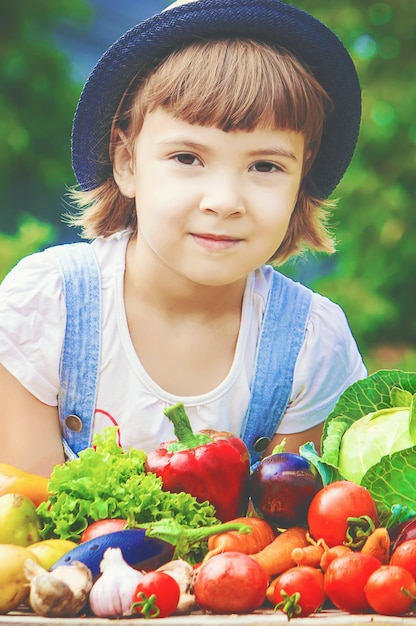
pixel 40 271
pixel 329 349
pixel 32 324
pixel 111 252
pixel 37 273
pixel 324 314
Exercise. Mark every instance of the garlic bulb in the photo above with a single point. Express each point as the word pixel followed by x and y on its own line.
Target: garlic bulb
pixel 184 574
pixel 112 594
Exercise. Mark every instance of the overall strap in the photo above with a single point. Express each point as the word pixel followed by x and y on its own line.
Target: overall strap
pixel 282 335
pixel 82 344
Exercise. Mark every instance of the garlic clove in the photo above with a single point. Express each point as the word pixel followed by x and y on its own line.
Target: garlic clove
pixel 186 603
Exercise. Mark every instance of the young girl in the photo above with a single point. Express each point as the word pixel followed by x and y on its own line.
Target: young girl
pixel 205 143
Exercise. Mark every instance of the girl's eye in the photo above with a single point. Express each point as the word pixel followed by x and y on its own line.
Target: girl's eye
pixel 187 159
pixel 264 167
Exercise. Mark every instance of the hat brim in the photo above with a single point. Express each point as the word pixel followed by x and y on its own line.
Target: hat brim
pixel 148 43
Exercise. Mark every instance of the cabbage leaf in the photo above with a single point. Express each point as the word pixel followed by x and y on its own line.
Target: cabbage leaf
pixel 391 477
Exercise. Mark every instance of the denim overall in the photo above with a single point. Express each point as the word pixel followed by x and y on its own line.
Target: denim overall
pixel 282 335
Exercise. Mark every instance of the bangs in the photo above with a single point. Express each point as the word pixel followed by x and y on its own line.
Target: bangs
pixel 234 84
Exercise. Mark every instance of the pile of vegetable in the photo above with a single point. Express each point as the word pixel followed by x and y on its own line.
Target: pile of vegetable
pixel 178 482
pixel 121 533
pixel 106 482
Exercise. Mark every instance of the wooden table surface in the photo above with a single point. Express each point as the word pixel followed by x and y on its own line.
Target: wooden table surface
pixel 258 618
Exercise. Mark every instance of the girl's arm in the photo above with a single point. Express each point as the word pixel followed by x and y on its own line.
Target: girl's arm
pixel 294 441
pixel 30 436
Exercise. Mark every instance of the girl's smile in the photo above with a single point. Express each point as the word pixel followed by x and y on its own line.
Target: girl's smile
pixel 215 242
pixel 211 205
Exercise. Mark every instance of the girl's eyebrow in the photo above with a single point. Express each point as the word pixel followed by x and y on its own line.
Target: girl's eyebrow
pixel 278 151
pixel 183 141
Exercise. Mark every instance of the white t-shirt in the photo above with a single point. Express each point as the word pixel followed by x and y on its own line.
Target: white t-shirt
pixel 32 325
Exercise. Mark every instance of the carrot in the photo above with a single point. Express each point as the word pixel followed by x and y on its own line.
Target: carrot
pixel 330 554
pixel 233 541
pixel 270 591
pixel 277 556
pixel 378 544
pixel 309 555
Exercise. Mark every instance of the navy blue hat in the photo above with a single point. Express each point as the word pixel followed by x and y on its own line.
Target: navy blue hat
pixel 272 21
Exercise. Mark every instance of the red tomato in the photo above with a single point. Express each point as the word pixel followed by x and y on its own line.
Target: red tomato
pixel 405 556
pixel 332 506
pixel 299 591
pixel 103 527
pixel 231 582
pixel 156 595
pixel 390 590
pixel 345 578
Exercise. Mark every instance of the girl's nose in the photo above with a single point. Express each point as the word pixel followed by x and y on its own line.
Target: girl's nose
pixel 223 197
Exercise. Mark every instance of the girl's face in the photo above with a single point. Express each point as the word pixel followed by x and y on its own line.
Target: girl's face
pixel 211 205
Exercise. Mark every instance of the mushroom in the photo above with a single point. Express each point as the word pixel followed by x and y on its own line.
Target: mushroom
pixel 62 592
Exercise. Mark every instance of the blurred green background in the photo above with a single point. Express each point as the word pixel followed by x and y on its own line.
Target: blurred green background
pixel 372 275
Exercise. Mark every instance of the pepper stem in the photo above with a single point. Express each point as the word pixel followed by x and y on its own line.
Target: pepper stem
pixel 187 439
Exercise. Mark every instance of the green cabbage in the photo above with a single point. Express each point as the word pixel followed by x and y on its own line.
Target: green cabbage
pixel 376 434
pixel 370 438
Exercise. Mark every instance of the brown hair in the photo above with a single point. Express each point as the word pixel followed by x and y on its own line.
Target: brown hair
pixel 231 84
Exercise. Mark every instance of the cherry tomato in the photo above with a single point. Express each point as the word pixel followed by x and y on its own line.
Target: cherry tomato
pixel 231 582
pixel 390 590
pixel 299 591
pixel 103 527
pixel 345 578
pixel 156 595
pixel 332 506
pixel 405 556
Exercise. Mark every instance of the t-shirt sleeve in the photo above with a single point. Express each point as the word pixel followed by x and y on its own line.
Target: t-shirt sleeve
pixel 328 363
pixel 32 324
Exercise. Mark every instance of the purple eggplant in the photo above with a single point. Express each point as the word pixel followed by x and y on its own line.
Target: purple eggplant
pixel 282 487
pixel 139 551
pixel 402 532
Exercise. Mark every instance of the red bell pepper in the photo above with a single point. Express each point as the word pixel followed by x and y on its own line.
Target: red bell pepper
pixel 210 465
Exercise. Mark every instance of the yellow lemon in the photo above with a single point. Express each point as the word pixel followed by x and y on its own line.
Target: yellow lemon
pixel 14 586
pixel 48 552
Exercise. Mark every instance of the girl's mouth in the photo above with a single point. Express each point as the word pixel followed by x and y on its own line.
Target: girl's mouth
pixel 215 242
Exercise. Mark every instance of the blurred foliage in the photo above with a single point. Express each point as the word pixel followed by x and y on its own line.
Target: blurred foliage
pixel 37 102
pixel 373 275
pixel 31 235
